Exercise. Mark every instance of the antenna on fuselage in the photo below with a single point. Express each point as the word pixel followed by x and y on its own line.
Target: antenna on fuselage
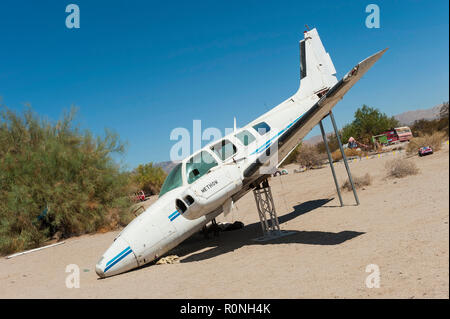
pixel 234 124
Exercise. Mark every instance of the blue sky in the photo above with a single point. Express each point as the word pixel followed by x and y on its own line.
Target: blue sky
pixel 143 68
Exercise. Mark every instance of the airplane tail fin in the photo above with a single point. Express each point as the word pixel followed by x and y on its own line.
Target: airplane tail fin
pixel 317 72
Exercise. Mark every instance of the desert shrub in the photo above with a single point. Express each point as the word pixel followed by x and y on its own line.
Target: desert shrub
pixel 149 178
pixel 358 181
pixel 424 127
pixel 399 168
pixel 55 178
pixel 349 152
pixel 292 158
pixel 309 156
pixel 333 144
pixel 434 141
pixel 399 147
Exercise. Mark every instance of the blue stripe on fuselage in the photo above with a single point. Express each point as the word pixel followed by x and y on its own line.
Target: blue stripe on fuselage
pixel 118 255
pixel 269 142
pixel 174 215
pixel 119 259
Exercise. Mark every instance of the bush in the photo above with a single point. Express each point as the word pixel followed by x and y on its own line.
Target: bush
pixel 349 152
pixel 309 156
pixel 398 168
pixel 358 181
pixel 149 178
pixel 434 141
pixel 292 157
pixel 333 144
pixel 56 179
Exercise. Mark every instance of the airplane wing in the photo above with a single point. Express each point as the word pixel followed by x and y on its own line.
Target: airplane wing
pixel 293 136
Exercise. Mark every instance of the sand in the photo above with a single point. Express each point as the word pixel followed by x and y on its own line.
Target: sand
pixel 401 226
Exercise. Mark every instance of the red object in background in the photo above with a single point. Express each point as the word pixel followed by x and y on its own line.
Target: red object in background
pixel 404 133
pixel 391 136
pixel 425 151
pixel 140 195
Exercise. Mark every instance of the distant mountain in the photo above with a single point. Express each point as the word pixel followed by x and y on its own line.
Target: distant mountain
pixel 315 139
pixel 166 166
pixel 408 118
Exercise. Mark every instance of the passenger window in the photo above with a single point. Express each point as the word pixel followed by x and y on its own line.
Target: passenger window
pixel 262 128
pixel 245 137
pixel 224 149
pixel 199 165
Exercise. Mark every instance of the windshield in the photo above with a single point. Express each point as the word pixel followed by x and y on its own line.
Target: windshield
pixel 199 165
pixel 173 180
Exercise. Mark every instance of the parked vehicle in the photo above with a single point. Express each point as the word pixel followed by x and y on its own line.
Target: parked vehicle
pixel 426 150
pixel 403 133
pixel 396 135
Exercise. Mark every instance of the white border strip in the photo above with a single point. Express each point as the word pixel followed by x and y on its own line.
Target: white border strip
pixel 36 249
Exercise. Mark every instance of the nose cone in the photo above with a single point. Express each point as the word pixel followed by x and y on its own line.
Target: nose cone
pixel 117 259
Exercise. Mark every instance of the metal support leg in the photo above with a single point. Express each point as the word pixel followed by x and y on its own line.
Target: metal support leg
pixel 344 157
pixel 267 214
pixel 330 159
pixel 261 211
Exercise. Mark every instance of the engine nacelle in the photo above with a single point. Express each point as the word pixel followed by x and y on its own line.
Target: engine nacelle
pixel 210 191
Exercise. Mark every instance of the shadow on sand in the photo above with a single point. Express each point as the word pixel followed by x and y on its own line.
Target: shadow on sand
pixel 229 241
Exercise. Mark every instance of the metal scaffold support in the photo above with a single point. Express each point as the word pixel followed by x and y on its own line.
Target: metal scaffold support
pixel 344 157
pixel 330 160
pixel 267 213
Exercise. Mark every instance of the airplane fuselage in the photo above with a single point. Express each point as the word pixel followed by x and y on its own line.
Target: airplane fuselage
pixel 206 183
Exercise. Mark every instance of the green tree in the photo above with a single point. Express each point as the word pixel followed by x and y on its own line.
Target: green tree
pixel 55 178
pixel 368 122
pixel 149 178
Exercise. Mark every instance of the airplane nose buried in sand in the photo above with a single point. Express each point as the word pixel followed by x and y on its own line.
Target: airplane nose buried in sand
pixel 117 259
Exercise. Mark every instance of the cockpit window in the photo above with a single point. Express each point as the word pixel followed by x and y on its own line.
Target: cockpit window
pixel 173 180
pixel 245 137
pixel 262 128
pixel 224 149
pixel 199 165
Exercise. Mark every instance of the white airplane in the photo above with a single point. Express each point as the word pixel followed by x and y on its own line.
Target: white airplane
pixel 205 184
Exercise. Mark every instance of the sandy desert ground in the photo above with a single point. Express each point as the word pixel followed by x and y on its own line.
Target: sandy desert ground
pixel 401 226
